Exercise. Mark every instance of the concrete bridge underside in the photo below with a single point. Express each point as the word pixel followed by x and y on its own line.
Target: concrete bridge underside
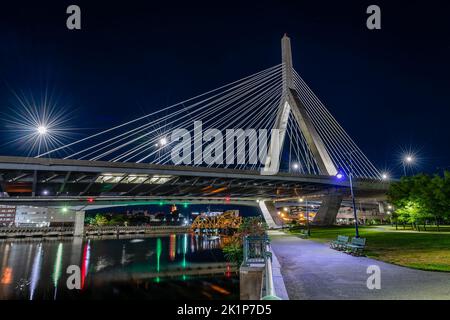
pixel 82 184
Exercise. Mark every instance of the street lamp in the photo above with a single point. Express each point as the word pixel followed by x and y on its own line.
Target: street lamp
pixel 350 178
pixel 407 161
pixel 308 230
pixel 163 141
pixel 42 130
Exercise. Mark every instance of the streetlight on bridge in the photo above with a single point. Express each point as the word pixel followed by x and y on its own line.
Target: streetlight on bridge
pixel 42 130
pixel 340 176
pixel 408 160
pixel 308 229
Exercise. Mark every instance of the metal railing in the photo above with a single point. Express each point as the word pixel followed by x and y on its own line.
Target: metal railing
pixel 255 248
pixel 269 290
pixel 257 252
pixel 34 229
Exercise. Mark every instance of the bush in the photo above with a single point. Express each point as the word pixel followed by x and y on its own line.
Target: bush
pixel 234 251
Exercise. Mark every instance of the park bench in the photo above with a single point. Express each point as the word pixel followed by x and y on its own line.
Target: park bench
pixel 339 243
pixel 356 247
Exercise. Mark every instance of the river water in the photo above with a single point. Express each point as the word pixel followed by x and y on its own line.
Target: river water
pixel 157 267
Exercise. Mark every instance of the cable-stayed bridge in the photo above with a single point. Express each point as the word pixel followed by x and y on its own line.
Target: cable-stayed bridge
pixel 264 138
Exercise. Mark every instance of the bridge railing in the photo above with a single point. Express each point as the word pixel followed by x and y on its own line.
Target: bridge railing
pixel 104 228
pixel 50 231
pixel 255 249
pixel 34 229
pixel 257 252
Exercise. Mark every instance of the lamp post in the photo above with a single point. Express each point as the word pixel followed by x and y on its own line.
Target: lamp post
pixel 308 230
pixel 407 160
pixel 354 205
pixel 340 175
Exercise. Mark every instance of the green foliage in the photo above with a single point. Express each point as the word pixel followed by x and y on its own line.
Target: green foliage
pixel 100 220
pixel 89 221
pixel 117 220
pixel 252 226
pixel 234 252
pixel 420 198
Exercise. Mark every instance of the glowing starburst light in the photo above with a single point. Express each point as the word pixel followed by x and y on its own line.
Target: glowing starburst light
pixel 36 125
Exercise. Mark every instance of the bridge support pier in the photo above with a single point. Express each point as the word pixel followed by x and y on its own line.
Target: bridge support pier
pixel 270 214
pixel 79 224
pixel 381 207
pixel 250 282
pixel 328 210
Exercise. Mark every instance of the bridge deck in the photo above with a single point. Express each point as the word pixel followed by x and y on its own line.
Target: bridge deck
pixel 80 179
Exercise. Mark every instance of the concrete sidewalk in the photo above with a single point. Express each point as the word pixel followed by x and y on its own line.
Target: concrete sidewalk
pixel 311 270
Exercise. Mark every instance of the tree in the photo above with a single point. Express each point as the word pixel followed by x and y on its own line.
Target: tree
pixel 421 198
pixel 234 251
pixel 100 220
pixel 252 226
pixel 117 220
pixel 89 220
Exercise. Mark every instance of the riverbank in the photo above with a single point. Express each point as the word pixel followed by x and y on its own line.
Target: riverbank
pixel 55 232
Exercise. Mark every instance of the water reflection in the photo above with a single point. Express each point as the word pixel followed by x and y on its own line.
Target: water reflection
pixel 85 262
pixel 57 268
pixel 36 270
pixel 149 267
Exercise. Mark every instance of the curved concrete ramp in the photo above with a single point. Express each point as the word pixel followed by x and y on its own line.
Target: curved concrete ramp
pixel 270 215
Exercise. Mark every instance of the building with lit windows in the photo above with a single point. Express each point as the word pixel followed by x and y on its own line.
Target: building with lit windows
pixel 42 217
pixel 7 216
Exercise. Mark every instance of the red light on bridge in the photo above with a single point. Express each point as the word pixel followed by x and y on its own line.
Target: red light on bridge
pixel 90 200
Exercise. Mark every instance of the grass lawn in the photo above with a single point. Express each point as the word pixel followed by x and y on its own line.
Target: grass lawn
pixel 428 228
pixel 420 250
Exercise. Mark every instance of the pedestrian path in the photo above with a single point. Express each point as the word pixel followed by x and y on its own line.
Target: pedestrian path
pixel 311 270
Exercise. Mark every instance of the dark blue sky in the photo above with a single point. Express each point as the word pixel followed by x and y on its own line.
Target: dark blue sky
pixel 388 88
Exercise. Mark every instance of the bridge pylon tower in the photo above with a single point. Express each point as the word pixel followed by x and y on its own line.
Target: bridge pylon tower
pixel 290 102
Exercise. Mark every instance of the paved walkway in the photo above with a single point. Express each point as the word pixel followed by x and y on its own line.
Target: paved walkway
pixel 311 270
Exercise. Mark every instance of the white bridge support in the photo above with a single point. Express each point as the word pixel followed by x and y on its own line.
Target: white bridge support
pixel 79 224
pixel 290 102
pixel 270 215
pixel 381 207
pixel 329 208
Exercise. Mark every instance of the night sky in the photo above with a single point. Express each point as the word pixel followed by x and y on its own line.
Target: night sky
pixel 388 88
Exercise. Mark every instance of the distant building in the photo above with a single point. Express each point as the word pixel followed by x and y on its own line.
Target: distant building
pixel 7 216
pixel 27 216
pixel 213 213
pixel 366 215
